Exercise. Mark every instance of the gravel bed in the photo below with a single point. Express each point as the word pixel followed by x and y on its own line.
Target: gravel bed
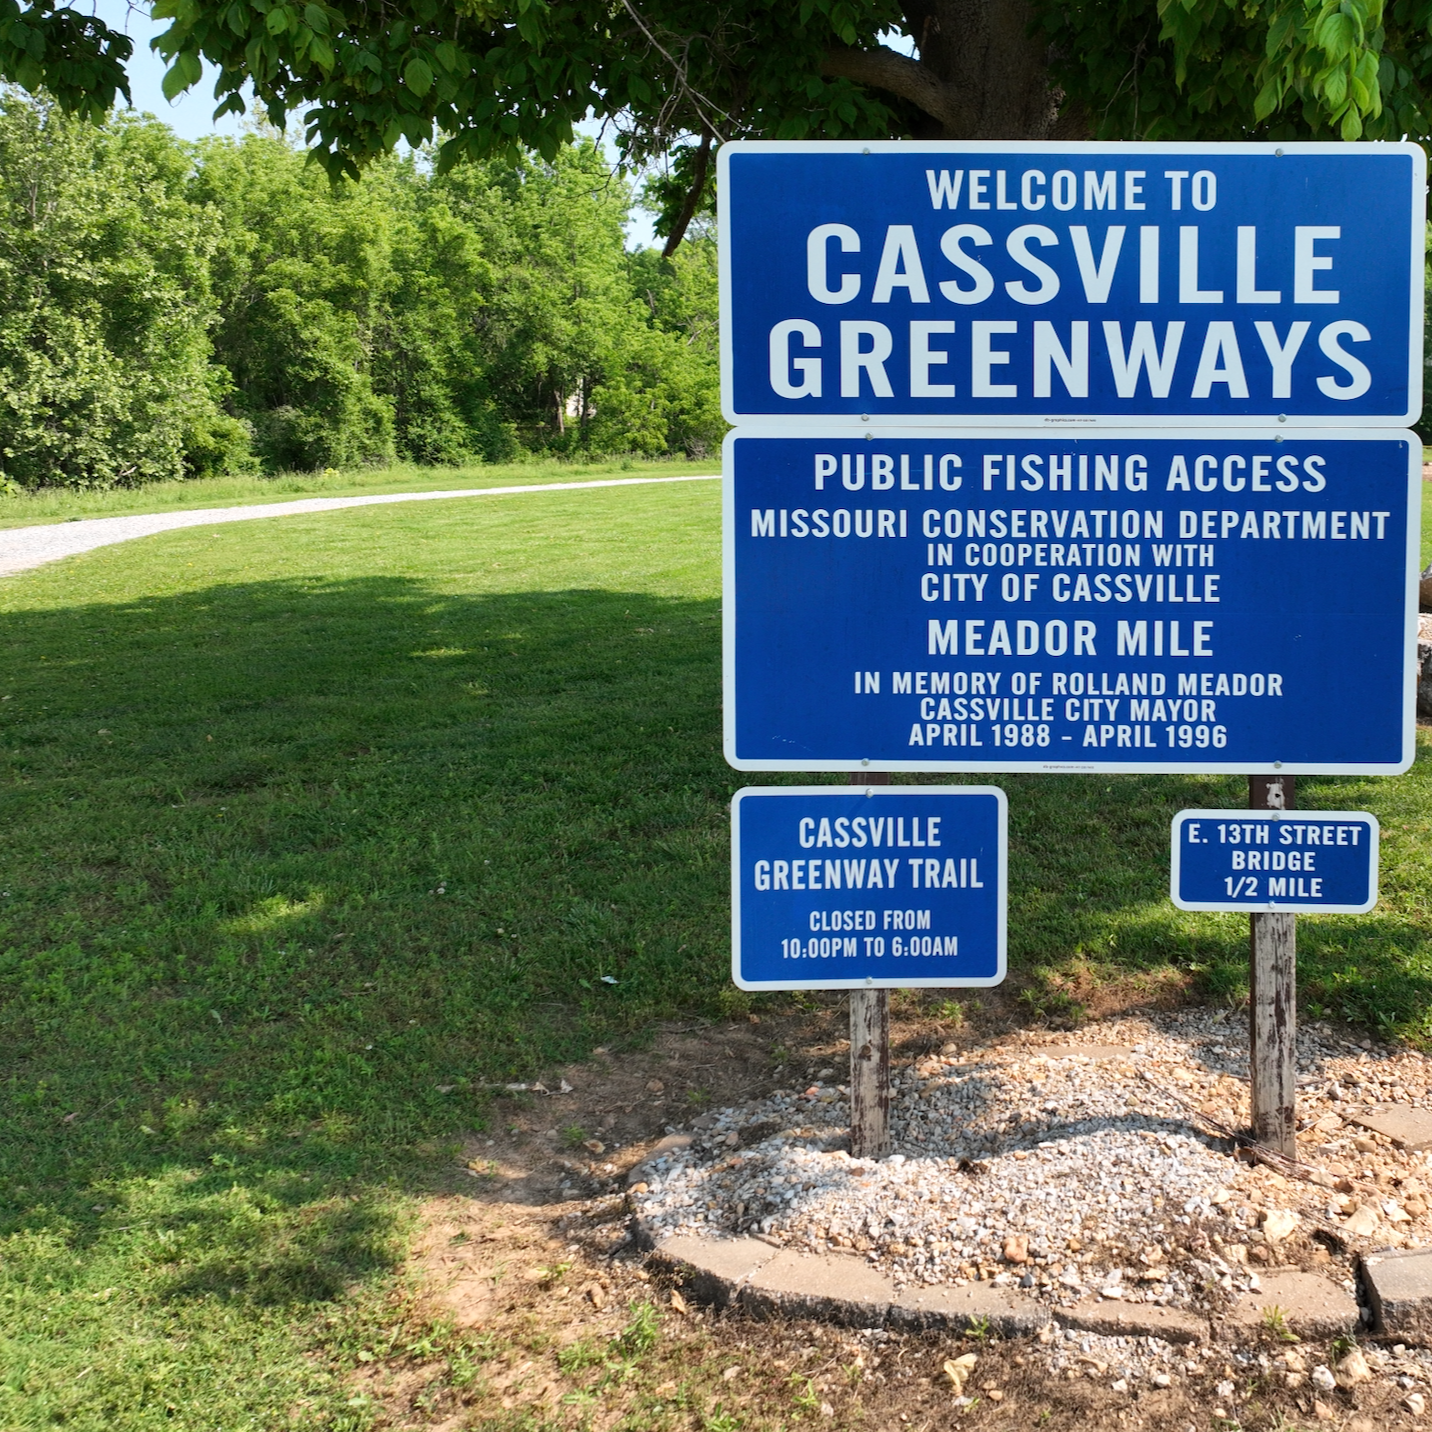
pixel 1063 1176
pixel 1150 1362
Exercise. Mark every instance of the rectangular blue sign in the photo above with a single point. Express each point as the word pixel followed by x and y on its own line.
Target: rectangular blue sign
pixel 1218 284
pixel 1301 862
pixel 867 887
pixel 1138 601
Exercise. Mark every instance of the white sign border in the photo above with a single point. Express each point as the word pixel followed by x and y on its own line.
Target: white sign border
pixel 1086 420
pixel 1286 907
pixel 820 430
pixel 873 793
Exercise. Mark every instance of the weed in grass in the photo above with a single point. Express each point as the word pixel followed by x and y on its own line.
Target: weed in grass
pixel 580 1355
pixel 1275 1325
pixel 549 1276
pixel 640 1334
pixel 1047 1000
pixel 803 1393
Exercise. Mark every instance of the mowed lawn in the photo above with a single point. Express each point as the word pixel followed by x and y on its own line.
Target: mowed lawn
pixel 313 826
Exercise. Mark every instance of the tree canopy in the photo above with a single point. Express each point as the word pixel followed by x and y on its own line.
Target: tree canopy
pixel 170 309
pixel 483 76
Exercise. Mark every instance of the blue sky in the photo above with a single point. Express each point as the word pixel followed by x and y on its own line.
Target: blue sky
pixel 189 115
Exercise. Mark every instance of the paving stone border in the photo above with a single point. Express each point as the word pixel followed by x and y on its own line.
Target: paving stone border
pixel 770 1281
pixel 1399 1291
pixel 1410 1129
pixel 1312 1306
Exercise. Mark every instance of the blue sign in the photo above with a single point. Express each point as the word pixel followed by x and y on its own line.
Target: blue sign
pixel 839 887
pixel 1170 601
pixel 1303 862
pixel 1219 284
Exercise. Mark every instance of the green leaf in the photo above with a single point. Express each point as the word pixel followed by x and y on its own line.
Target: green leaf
pixel 186 70
pixel 1336 33
pixel 418 77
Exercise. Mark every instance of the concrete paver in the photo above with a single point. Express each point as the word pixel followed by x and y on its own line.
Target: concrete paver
pixel 1134 1320
pixel 1313 1306
pixel 833 1287
pixel 1399 1291
pixel 1412 1128
pixel 970 1306
pixel 715 1268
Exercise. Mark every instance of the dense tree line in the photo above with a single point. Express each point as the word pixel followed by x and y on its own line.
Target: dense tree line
pixel 172 309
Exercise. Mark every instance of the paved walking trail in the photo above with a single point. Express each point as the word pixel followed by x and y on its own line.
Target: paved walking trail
pixel 22 548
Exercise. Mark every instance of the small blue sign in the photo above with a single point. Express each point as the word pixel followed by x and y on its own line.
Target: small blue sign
pixel 1137 601
pixel 1219 284
pixel 1301 862
pixel 867 887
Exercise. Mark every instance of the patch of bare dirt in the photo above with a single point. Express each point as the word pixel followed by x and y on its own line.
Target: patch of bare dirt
pixel 550 1320
pixel 579 1129
pixel 535 1310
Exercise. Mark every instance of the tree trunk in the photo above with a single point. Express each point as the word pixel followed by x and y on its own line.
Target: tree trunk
pixel 980 73
pixel 699 167
pixel 983 50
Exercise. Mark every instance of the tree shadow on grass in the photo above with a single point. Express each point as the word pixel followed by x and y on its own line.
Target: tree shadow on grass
pixel 296 1260
pixel 295 867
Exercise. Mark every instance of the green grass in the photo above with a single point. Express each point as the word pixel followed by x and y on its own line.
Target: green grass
pixel 1426 524
pixel 60 504
pixel 307 818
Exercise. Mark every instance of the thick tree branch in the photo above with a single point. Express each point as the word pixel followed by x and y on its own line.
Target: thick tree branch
pixel 900 75
pixel 693 198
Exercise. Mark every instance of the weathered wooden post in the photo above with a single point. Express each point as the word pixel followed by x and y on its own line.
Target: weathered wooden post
pixel 870 1050
pixel 1272 1010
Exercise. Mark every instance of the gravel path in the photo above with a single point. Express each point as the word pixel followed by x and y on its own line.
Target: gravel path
pixel 22 548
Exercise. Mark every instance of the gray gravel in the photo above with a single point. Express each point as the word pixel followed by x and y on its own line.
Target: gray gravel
pixel 1099 1167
